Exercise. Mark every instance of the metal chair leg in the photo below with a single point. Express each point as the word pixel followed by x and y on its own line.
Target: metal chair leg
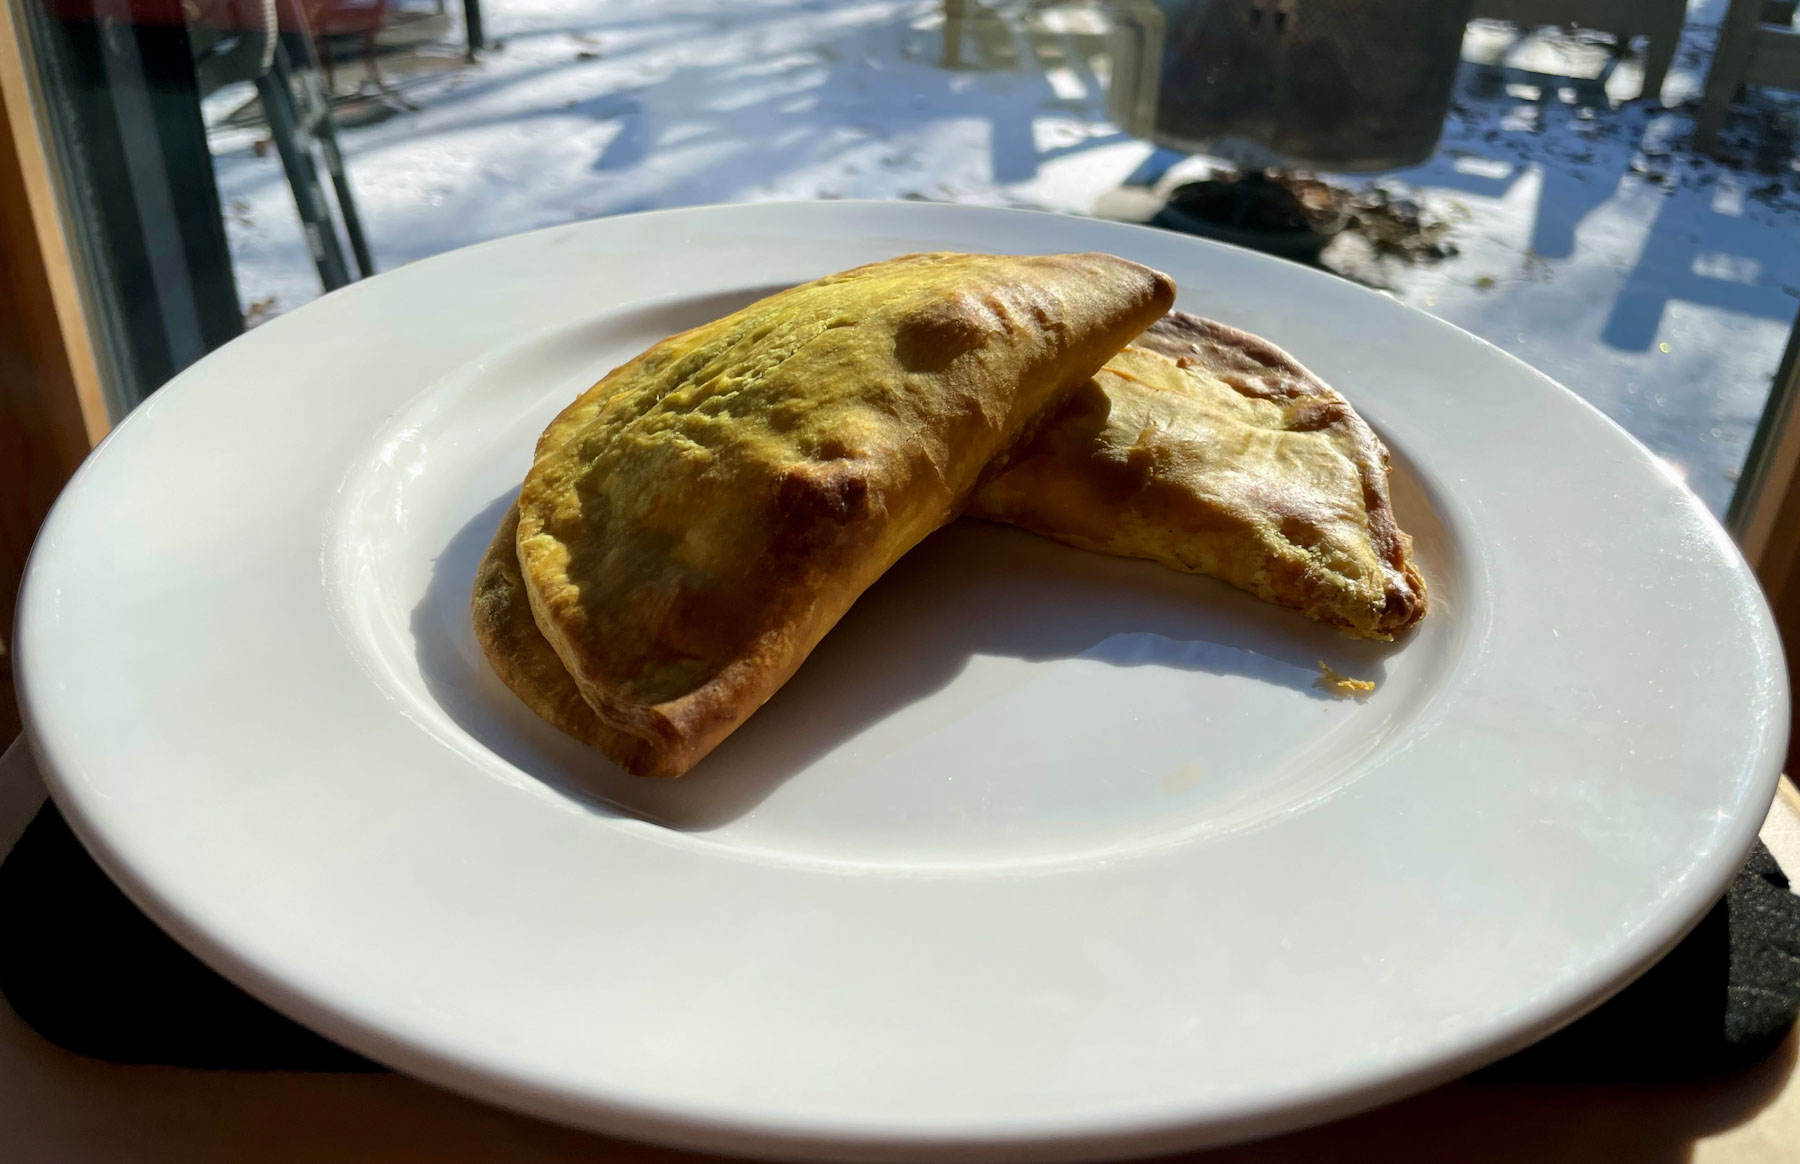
pixel 374 80
pixel 275 88
pixel 327 64
pixel 472 23
pixel 340 181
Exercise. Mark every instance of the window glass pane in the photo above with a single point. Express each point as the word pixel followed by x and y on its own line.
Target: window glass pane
pixel 1565 212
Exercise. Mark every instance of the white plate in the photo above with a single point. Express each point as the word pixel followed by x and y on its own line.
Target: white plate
pixel 1042 854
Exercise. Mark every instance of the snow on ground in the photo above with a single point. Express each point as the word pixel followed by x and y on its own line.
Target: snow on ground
pixel 1658 284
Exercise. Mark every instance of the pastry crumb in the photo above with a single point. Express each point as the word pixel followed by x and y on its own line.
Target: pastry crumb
pixel 1338 684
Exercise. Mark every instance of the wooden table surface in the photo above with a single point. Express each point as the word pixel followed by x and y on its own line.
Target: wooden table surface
pixel 55 1106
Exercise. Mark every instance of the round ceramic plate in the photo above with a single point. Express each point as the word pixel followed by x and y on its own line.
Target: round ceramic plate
pixel 1042 854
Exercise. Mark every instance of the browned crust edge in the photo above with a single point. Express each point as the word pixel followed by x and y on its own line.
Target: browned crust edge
pixel 520 655
pixel 1272 373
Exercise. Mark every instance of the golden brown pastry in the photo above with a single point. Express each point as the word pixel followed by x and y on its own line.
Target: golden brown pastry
pixel 1095 492
pixel 1212 451
pixel 518 650
pixel 697 521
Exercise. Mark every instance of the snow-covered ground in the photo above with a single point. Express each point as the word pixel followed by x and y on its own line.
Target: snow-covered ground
pixel 1658 284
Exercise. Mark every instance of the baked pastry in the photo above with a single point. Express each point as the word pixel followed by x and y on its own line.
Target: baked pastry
pixel 1212 451
pixel 695 523
pixel 1217 467
pixel 519 652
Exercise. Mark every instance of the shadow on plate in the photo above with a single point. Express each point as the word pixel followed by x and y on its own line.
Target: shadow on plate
pixel 970 589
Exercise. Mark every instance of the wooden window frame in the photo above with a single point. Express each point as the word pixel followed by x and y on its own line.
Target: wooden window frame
pixel 52 401
pixel 1764 514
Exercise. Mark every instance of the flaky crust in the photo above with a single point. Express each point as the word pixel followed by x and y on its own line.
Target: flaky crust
pixel 1083 486
pixel 1212 451
pixel 520 654
pixel 695 523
